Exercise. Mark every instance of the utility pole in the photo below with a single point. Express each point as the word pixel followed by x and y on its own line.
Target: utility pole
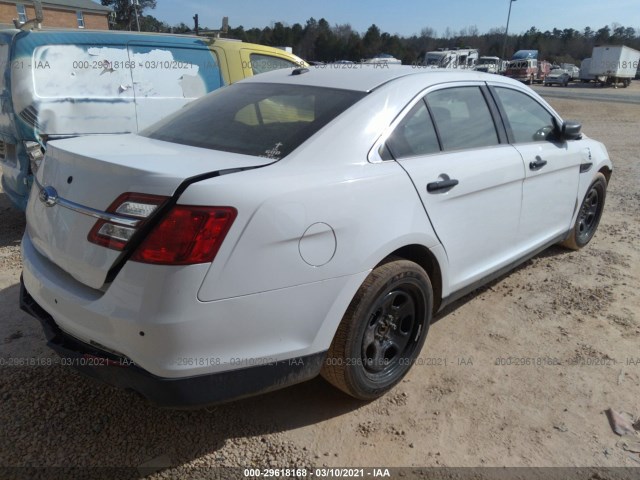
pixel 197 25
pixel 135 5
pixel 506 32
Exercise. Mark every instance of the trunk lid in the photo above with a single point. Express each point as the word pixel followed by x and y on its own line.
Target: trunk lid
pixel 95 171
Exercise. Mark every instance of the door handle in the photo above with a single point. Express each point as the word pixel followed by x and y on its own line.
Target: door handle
pixel 442 185
pixel 538 164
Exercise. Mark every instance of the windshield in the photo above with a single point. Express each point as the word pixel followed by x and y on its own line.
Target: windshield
pixel 264 120
pixel 487 61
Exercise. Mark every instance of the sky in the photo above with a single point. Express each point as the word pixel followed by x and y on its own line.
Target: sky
pixel 406 17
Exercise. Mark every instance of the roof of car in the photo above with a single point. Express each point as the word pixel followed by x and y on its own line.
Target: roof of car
pixel 365 78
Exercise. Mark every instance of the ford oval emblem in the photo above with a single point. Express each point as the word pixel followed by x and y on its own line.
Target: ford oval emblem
pixel 49 196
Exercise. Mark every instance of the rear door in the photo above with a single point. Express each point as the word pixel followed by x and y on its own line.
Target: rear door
pixel 469 182
pixel 552 167
pixel 168 76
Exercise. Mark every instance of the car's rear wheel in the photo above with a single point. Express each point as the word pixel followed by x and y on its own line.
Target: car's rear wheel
pixel 382 331
pixel 589 214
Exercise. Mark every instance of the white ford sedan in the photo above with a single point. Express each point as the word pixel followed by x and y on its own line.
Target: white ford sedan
pixel 298 223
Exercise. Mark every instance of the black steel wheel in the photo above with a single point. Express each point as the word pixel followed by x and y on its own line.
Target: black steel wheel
pixel 589 214
pixel 382 332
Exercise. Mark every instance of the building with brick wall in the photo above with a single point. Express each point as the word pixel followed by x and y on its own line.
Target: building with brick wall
pixel 81 14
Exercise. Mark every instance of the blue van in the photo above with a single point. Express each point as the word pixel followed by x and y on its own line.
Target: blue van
pixel 64 83
pixel 57 84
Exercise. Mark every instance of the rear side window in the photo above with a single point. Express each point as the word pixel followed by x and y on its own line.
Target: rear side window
pixel 529 121
pixel 463 118
pixel 264 120
pixel 414 135
pixel 266 63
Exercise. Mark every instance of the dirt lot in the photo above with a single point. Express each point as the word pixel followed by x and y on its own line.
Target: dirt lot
pixel 459 408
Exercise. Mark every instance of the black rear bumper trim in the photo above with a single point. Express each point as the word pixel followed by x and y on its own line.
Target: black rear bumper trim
pixel 188 392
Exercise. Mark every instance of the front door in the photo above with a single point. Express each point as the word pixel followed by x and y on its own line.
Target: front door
pixel 552 168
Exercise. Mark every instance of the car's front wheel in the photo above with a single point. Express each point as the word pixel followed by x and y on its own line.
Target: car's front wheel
pixel 382 331
pixel 588 215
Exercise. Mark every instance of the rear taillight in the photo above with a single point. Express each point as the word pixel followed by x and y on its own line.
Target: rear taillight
pixel 136 206
pixel 186 235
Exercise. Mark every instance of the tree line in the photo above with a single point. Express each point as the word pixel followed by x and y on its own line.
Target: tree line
pixel 318 40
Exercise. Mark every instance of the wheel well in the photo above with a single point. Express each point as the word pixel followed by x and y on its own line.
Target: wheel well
pixel 422 256
pixel 606 171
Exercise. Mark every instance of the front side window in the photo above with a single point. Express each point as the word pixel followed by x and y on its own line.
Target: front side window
pixel 463 118
pixel 80 19
pixel 414 135
pixel 22 13
pixel 529 121
pixel 263 120
pixel 266 63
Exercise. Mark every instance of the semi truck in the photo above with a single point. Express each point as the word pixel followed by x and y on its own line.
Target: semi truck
pixel 614 64
pixel 525 66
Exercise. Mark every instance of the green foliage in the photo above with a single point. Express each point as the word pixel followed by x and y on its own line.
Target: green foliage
pixel 125 18
pixel 317 40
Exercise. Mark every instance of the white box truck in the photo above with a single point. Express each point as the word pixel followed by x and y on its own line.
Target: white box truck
pixel 585 71
pixel 614 64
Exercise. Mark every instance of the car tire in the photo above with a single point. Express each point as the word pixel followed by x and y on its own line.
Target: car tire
pixel 589 214
pixel 382 331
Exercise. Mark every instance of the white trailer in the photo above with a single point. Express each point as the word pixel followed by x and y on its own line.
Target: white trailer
pixel 452 58
pixel 614 64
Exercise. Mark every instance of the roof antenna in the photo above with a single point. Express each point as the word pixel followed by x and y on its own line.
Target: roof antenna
pixel 34 22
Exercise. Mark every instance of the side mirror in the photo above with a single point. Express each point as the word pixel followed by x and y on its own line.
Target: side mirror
pixel 568 130
pixel 571 130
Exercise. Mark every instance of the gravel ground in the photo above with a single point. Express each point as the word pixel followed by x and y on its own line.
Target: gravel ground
pixel 457 409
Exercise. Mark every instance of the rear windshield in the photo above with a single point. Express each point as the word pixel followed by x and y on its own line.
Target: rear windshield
pixel 265 120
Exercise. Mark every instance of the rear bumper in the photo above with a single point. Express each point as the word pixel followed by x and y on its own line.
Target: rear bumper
pixel 170 392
